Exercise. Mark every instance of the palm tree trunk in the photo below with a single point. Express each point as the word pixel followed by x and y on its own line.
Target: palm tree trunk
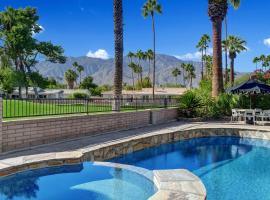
pixel 232 72
pixel 176 81
pixel 118 45
pixel 154 56
pixel 190 83
pixel 149 69
pixel 217 80
pixel 226 51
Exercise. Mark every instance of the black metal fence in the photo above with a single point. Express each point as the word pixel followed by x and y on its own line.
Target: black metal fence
pixel 17 108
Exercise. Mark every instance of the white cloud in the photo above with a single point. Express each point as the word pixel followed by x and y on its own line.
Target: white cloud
pixel 194 56
pixel 100 53
pixel 266 42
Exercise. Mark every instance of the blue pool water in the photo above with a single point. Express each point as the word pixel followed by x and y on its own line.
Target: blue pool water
pixel 230 168
pixel 78 182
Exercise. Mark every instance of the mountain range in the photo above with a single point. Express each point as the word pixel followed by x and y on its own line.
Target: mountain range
pixel 103 70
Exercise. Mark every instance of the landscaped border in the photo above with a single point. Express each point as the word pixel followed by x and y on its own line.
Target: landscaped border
pixel 117 148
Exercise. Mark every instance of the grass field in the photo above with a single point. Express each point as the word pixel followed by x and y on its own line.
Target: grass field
pixel 22 108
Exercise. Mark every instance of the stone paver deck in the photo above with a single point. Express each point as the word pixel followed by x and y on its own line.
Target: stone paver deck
pixel 84 143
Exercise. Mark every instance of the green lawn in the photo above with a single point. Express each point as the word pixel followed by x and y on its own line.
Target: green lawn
pixel 19 108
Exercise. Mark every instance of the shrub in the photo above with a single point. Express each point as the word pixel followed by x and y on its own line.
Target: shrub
pixel 190 102
pixel 79 95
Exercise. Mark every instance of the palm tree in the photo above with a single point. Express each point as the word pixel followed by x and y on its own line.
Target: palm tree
pixel 176 72
pixel 118 46
pixel 131 66
pixel 70 77
pixel 256 60
pixel 150 57
pixel 183 66
pixel 235 45
pixel 217 10
pixel 140 56
pixel 80 69
pixel 149 9
pixel 265 62
pixel 202 45
pixel 208 60
pixel 138 70
pixel 190 69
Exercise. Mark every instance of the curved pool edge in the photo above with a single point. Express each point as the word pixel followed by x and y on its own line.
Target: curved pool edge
pixel 117 148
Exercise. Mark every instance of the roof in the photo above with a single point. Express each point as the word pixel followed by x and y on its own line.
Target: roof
pixel 148 91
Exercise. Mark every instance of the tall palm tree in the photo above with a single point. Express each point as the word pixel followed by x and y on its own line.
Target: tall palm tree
pixel 235 45
pixel 208 60
pixel 80 69
pixel 70 77
pixel 149 9
pixel 190 69
pixel 131 66
pixel 118 47
pixel 183 66
pixel 217 10
pixel 265 62
pixel 256 60
pixel 176 72
pixel 141 56
pixel 202 45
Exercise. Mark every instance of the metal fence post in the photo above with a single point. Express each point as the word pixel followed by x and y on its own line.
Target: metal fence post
pixel 165 103
pixel 87 104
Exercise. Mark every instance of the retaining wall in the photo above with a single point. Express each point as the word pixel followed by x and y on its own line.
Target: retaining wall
pixel 26 133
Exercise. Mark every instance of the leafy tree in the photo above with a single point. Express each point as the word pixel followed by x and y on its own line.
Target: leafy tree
pixel 217 10
pixel 79 69
pixel 70 77
pixel 87 83
pixel 118 41
pixel 176 72
pixel 235 45
pixel 202 46
pixel 17 29
pixel 149 9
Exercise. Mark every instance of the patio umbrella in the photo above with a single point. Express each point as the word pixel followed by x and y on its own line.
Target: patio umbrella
pixel 250 87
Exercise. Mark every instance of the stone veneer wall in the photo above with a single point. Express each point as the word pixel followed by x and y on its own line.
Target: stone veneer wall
pixel 32 132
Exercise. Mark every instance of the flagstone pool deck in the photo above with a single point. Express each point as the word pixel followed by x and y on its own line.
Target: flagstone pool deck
pixel 181 184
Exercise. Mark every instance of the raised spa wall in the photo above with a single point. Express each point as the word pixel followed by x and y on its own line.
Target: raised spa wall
pixel 25 133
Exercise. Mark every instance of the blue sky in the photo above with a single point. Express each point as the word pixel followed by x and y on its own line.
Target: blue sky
pixel 85 26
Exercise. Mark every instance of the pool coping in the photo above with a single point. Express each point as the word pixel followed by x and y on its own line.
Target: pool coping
pixel 116 148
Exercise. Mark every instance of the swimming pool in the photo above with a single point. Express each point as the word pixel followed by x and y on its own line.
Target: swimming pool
pixel 230 168
pixel 83 182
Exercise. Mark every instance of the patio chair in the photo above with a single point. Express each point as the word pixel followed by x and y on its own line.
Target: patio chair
pixel 237 115
pixel 249 117
pixel 263 117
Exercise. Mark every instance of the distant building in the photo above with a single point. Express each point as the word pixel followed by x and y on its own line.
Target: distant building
pixel 47 93
pixel 146 93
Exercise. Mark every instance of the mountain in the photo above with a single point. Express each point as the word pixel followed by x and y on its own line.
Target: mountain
pixel 103 70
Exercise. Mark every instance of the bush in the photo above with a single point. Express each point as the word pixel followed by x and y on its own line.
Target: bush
pixel 190 102
pixel 79 95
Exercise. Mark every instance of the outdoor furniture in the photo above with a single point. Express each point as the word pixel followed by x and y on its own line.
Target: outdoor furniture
pixel 263 118
pixel 237 115
pixel 249 117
